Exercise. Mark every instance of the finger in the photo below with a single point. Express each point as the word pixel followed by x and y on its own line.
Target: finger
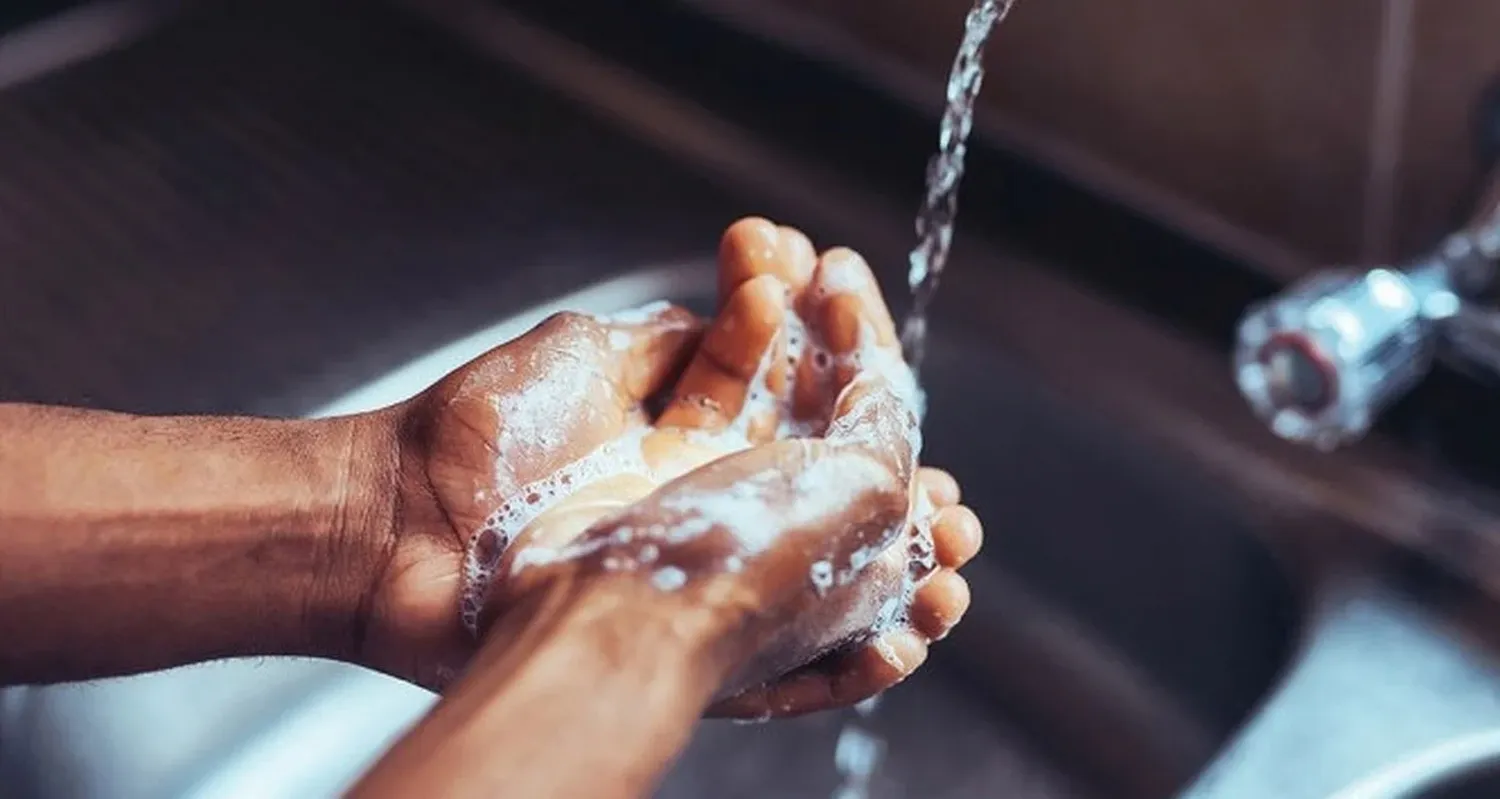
pixel 939 604
pixel 873 417
pixel 846 314
pixel 957 536
pixel 838 680
pixel 849 303
pixel 646 348
pixel 941 487
pixel 730 379
pixel 754 246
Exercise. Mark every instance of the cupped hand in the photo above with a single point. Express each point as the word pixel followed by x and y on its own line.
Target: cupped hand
pixel 780 483
pixel 475 445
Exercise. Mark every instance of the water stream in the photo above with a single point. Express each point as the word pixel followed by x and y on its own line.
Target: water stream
pixel 945 171
pixel 860 749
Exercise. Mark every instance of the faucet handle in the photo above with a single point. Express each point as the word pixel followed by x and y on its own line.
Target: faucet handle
pixel 1319 362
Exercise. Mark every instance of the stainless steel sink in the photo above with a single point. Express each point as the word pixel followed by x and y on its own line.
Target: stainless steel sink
pixel 347 206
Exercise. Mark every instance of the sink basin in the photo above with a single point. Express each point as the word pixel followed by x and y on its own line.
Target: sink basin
pixel 1126 619
pixel 349 208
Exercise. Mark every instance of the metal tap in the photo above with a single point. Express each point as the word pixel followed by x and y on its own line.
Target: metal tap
pixel 1321 360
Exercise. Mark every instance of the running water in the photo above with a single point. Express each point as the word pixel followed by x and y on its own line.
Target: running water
pixel 944 172
pixel 859 749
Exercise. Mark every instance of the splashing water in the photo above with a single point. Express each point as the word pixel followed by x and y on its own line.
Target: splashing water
pixel 860 749
pixel 945 171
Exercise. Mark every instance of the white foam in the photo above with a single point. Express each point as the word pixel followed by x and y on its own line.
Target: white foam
pixel 669 578
pixel 821 575
pixel 621 456
pixel 841 277
pixel 529 426
pixel 644 314
pixel 738 510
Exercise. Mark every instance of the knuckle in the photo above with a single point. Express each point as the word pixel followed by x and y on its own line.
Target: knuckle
pixel 569 324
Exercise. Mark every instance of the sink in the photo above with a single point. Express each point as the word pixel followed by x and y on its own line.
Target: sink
pixel 350 210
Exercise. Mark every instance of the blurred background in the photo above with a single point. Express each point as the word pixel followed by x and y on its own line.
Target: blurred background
pixel 310 208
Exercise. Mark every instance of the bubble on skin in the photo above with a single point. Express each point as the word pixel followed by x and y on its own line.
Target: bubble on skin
pixel 686 530
pixel 841 276
pixel 624 455
pixel 760 402
pixel 888 653
pixel 480 561
pixel 641 315
pixel 528 418
pixel 864 556
pixel 648 554
pixel 821 575
pixel 921 552
pixel 669 578
pixel 892 612
pixel 619 340
pixel 762 718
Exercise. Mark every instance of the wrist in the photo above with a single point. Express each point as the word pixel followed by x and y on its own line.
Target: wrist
pixel 619 612
pixel 360 533
pixel 602 656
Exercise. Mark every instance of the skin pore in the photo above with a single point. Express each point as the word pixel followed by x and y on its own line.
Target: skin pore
pixel 137 543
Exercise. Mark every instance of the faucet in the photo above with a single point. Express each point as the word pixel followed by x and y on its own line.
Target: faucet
pixel 1320 361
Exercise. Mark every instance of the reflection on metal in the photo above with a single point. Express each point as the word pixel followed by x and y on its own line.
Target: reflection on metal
pixel 1432 769
pixel 1320 361
pixel 90 31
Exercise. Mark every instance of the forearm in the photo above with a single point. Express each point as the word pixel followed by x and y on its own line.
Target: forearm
pixel 133 543
pixel 589 689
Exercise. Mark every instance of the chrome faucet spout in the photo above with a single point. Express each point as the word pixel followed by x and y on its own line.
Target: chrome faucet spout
pixel 1321 360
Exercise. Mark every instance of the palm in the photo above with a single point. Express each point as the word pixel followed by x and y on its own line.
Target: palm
pixel 478 442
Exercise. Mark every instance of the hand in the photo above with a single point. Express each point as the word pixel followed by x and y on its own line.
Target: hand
pixel 774 486
pixel 770 281
pixel 468 446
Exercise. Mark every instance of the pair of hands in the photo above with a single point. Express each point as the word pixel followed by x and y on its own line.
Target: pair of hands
pixel 779 484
